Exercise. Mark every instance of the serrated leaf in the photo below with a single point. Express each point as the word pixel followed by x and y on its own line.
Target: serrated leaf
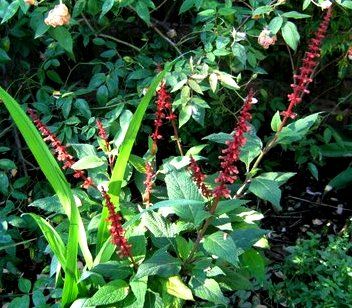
pixel 297 130
pixel 176 287
pixel 111 293
pixel 207 289
pixel 88 162
pixel 267 190
pixel 139 289
pixel 251 149
pixel 220 244
pixel 290 34
pixel 160 264
pixel 63 37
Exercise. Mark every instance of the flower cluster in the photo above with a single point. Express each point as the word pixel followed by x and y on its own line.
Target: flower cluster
pixel 199 177
pixel 231 154
pixel 103 134
pixel 59 149
pixel 163 111
pixel 58 16
pixel 116 230
pixel 149 175
pixel 310 61
pixel 266 38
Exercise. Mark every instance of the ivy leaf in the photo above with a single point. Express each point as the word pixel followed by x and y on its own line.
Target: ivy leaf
pixel 207 289
pixel 267 190
pixel 290 34
pixel 161 264
pixel 222 246
pixel 109 294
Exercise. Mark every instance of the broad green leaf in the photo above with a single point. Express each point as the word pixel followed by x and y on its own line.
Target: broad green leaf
pixel 49 204
pixel 88 162
pixel 290 34
pixel 295 15
pixel 7 164
pixel 183 247
pixel 123 157
pixel 228 80
pixel 192 211
pixel 176 287
pixel 195 86
pixel 220 244
pixel 297 130
pixel 20 302
pixel 107 6
pixel 345 3
pixel 180 185
pixel 161 264
pixel 111 293
pixel 112 270
pixel 254 262
pixel 276 121
pixel 275 24
pixel 63 37
pixel 4 183
pixel 138 163
pixel 267 190
pixel 229 205
pixel 207 289
pixel 342 180
pixel 265 9
pixel 235 279
pixel 218 137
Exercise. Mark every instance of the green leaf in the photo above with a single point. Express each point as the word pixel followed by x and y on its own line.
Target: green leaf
pixel 180 185
pixel 139 289
pixel 342 180
pixel 176 287
pixel 4 183
pixel 246 238
pixel 186 5
pixel 88 162
pixel 138 163
pixel 63 37
pixel 11 11
pixel 142 11
pixel 290 34
pixel 48 204
pixel 254 262
pixel 218 137
pixel 228 80
pixel 345 3
pixel 306 3
pixel 213 81
pixel 185 115
pixel 195 86
pixel 297 130
pixel 102 95
pixel 107 6
pixel 20 302
pixel 123 157
pixel 24 285
pixel 295 15
pixel 207 289
pixel 267 190
pixel 251 149
pixel 53 238
pixel 161 264
pixel 276 121
pixel 337 149
pixel 4 57
pixel 265 9
pixel 229 205
pixel 111 293
pixel 222 245
pixel 313 170
pixel 279 177
pixel 275 24
pixel 7 164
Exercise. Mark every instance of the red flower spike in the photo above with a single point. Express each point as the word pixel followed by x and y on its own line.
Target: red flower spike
pixel 199 177
pixel 149 175
pixel 309 63
pixel 101 131
pixel 231 154
pixel 116 230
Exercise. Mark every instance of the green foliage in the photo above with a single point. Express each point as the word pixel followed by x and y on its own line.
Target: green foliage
pixel 317 273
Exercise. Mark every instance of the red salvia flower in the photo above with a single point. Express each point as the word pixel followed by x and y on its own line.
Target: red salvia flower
pixel 231 154
pixel 116 230
pixel 309 63
pixel 199 177
pixel 103 134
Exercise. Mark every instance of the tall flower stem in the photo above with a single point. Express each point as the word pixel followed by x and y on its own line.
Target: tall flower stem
pixel 176 137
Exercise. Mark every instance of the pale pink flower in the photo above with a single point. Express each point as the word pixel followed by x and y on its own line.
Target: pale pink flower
pixel 266 38
pixel 58 16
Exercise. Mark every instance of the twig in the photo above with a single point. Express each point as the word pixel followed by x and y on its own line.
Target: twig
pixel 166 39
pixel 317 203
pixel 120 41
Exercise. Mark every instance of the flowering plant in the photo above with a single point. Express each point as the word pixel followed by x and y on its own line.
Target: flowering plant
pixel 183 225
